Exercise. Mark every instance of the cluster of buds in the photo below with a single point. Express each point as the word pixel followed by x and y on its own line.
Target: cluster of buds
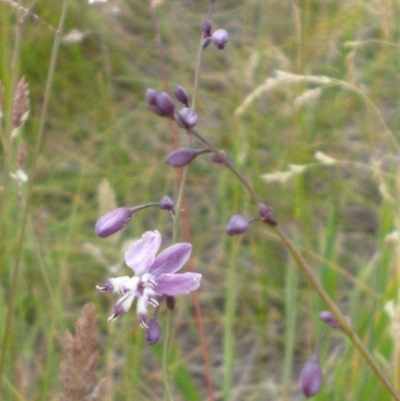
pixel 219 38
pixel 162 104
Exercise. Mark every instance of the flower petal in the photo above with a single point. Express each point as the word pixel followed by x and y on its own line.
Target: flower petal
pixel 113 285
pixel 122 305
pixel 174 284
pixel 171 259
pixel 141 254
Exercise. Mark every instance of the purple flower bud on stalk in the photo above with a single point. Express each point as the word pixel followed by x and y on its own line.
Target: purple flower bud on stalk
pixel 151 95
pixel 237 225
pixel 186 118
pixel 113 221
pixel 266 215
pixel 329 319
pixel 181 157
pixel 167 204
pixel 153 332
pixel 220 158
pixel 165 104
pixel 160 103
pixel 311 377
pixel 219 38
pixel 206 42
pixel 207 27
pixel 181 95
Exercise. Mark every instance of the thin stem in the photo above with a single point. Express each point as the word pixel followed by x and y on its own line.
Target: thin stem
pixel 312 278
pixel 229 165
pixel 166 352
pixel 24 223
pixel 338 314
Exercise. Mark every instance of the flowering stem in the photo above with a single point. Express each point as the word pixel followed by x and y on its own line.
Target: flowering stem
pixel 312 278
pixel 228 164
pixel 335 310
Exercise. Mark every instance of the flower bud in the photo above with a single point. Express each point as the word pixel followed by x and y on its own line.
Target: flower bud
pixel 206 42
pixel 219 38
pixel 165 104
pixel 153 332
pixel 330 320
pixel 266 215
pixel 220 158
pixel 237 225
pixel 186 118
pixel 181 95
pixel 167 204
pixel 207 27
pixel 151 95
pixel 310 380
pixel 160 103
pixel 183 156
pixel 113 221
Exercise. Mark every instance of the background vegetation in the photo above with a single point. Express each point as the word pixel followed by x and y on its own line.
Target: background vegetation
pixel 259 314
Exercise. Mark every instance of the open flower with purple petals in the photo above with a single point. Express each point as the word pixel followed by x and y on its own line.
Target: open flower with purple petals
pixel 155 276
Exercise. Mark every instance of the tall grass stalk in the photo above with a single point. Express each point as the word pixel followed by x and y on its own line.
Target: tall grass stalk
pixel 25 211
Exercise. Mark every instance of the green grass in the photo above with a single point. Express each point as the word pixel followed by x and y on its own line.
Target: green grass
pixel 259 313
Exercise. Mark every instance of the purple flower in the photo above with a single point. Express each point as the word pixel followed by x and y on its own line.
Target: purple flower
pixel 237 225
pixel 219 38
pixel 155 276
pixel 310 380
pixel 113 221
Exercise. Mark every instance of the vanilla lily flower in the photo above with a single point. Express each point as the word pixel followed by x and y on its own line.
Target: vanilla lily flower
pixel 155 276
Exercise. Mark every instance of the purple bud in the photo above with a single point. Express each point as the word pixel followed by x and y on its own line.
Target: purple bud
pixel 160 103
pixel 237 225
pixel 206 42
pixel 329 319
pixel 220 158
pixel 164 104
pixel 181 95
pixel 311 377
pixel 167 204
pixel 219 38
pixel 186 118
pixel 266 215
pixel 207 27
pixel 112 222
pixel 181 157
pixel 153 332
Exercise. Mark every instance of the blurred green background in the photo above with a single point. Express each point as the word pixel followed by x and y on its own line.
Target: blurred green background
pixel 259 314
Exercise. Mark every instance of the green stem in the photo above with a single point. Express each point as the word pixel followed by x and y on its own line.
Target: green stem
pixel 166 351
pixel 24 223
pixel 312 278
